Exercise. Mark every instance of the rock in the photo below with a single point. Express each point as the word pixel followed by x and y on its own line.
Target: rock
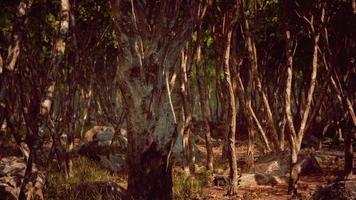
pixel 102 143
pixel 113 163
pixel 327 158
pixel 100 190
pixel 343 190
pixel 272 163
pixel 91 133
pixel 220 180
pixel 101 140
pixel 12 171
pixel 254 179
pixel 250 179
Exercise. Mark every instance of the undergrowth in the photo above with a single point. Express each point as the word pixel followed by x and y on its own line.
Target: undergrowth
pixel 189 187
pixel 84 171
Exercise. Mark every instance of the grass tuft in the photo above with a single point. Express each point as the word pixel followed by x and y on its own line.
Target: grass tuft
pixel 188 187
pixel 84 171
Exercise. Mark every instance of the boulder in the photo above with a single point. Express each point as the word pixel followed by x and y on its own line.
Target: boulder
pixel 273 163
pixel 12 171
pixel 254 179
pixel 343 190
pixel 101 140
pixel 113 163
pixel 91 133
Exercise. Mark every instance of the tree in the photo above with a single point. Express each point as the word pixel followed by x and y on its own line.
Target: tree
pixel 9 65
pixel 150 36
pixel 313 24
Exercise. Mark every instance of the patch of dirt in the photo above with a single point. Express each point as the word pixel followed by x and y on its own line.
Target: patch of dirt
pixel 307 183
pixel 306 186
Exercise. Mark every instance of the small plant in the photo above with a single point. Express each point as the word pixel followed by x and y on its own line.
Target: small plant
pixel 188 187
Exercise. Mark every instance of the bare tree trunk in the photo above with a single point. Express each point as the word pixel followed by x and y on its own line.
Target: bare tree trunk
pixel 231 117
pixel 205 110
pixel 297 137
pixel 46 101
pixel 249 112
pixel 187 112
pixel 87 98
pixel 252 56
pixel 289 115
pixel 8 66
pixel 349 156
pixel 143 81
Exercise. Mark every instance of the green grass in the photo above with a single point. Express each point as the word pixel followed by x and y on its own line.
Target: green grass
pixel 84 171
pixel 189 187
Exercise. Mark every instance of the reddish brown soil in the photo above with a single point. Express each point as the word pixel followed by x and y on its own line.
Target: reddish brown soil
pixel 306 186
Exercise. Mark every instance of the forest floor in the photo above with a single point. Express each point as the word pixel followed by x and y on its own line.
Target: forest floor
pixel 90 171
pixel 307 184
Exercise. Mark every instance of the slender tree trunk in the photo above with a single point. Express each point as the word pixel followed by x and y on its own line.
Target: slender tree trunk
pixel 252 56
pixel 296 138
pixel 205 110
pixel 8 66
pixel 231 117
pixel 292 136
pixel 87 109
pixel 348 149
pixel 250 113
pixel 46 101
pixel 187 113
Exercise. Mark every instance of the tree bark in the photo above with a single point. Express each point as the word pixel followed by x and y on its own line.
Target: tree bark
pixel 252 56
pixel 142 78
pixel 47 99
pixel 297 137
pixel 8 66
pixel 204 106
pixel 231 117
pixel 187 113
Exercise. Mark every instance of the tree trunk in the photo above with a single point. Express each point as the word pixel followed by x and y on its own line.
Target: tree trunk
pixel 252 56
pixel 205 110
pixel 294 173
pixel 348 149
pixel 8 66
pixel 297 137
pixel 47 100
pixel 186 114
pixel 142 76
pixel 231 117
pixel 249 113
pixel 292 135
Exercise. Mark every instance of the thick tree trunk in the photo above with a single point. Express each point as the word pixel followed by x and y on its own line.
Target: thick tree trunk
pixel 150 176
pixel 149 145
pixel 143 81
